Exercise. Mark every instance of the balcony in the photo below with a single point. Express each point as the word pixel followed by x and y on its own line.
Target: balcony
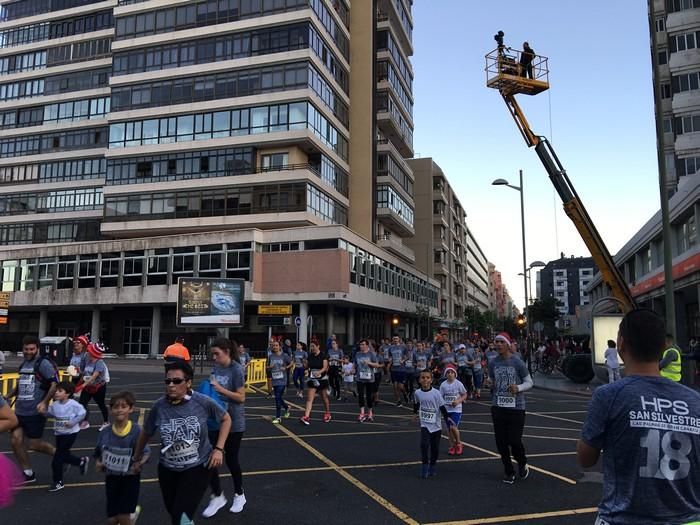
pixel 684 60
pixel 687 101
pixel 440 220
pixel 400 136
pixel 439 193
pixel 686 19
pixel 394 245
pixel 688 145
pixel 395 221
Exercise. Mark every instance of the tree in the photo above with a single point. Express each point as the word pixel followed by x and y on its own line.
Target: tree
pixel 544 311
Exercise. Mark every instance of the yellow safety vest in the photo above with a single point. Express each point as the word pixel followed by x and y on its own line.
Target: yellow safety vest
pixel 672 370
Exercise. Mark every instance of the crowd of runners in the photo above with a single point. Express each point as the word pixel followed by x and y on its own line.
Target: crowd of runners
pixel 200 428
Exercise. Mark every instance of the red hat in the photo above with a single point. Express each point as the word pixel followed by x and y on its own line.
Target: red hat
pixel 83 339
pixel 95 351
pixel 449 368
pixel 503 336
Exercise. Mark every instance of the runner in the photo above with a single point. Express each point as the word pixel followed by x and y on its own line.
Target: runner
pixel 423 360
pixel 378 375
pixel 464 370
pixel 113 456
pixel 36 386
pixel 367 379
pixel 454 393
pixel 335 357
pixel 277 366
pixel 648 426
pixel 477 356
pixel 490 355
pixel 409 366
pixel 348 377
pixel 300 357
pixel 384 353
pixel 427 402
pixel 177 351
pixel 94 385
pixel 317 363
pixel 67 414
pixel 227 380
pixel 510 379
pixel 77 360
pixel 186 453
pixel 245 360
pixel 8 420
pixel 397 355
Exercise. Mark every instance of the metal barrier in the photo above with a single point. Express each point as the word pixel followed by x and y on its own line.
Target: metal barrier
pixel 8 382
pixel 256 373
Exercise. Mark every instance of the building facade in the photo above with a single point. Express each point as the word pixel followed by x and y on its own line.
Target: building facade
pixel 566 279
pixel 142 141
pixel 499 299
pixel 677 32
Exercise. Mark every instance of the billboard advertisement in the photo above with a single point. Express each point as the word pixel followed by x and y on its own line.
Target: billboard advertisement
pixel 210 302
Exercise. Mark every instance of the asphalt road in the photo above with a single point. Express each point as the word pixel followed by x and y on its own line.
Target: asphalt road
pixel 346 472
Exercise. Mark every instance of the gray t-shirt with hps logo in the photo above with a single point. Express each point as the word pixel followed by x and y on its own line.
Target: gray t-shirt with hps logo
pixel 278 372
pixel 649 431
pixel 364 372
pixel 183 430
pixel 29 391
pixel 507 372
pixel 231 378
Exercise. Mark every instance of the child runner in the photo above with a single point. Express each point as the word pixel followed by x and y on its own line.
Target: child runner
pixel 244 358
pixel 409 366
pixel 427 402
pixel 454 393
pixel 115 447
pixel 478 375
pixel 348 377
pixel 94 385
pixel 300 357
pixel 367 379
pixel 68 414
pixel 317 382
pixel 277 365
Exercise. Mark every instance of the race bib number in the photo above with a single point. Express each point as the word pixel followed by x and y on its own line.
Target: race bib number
pixel 277 374
pixel 316 373
pixel 428 416
pixel 26 387
pixel 117 459
pixel 366 375
pixel 182 452
pixel 420 365
pixel 409 364
pixel 505 401
pixel 396 362
pixel 61 424
pixel 450 398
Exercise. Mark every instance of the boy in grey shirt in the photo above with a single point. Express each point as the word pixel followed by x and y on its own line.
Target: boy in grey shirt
pixel 427 402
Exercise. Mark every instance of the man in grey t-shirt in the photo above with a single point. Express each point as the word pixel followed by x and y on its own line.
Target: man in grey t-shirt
pixel 649 428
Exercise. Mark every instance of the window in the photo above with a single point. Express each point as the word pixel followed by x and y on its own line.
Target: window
pixel 665 90
pixel 663 58
pixel 275 161
pixel 660 25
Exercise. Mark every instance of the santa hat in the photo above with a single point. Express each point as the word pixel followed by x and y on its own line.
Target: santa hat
pixel 503 336
pixel 449 368
pixel 83 339
pixel 95 350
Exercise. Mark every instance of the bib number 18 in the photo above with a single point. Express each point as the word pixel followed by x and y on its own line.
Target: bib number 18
pixel 667 456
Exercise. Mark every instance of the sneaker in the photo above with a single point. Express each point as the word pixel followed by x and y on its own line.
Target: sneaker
pixel 277 421
pixel 424 469
pixel 326 417
pixel 338 398
pixel 304 420
pixel 104 425
pixel 238 503
pixel 215 503
pixel 287 413
pixel 135 515
pixel 84 462
pixel 459 449
pixel 55 487
pixel 451 451
pixel 84 425
pixel 509 479
pixel 328 391
pixel 432 470
pixel 300 395
pixel 523 471
pixel 29 479
pixel 398 403
pixel 370 418
pixel 361 418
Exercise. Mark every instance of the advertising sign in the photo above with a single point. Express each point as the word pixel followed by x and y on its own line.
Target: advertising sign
pixel 605 327
pixel 4 306
pixel 274 309
pixel 210 302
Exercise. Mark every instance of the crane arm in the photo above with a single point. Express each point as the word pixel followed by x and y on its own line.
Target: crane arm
pixel 573 206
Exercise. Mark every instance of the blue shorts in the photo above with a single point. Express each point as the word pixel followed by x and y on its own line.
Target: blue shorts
pixel 398 377
pixel 456 417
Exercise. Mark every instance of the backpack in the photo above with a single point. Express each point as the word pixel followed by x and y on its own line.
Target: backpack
pixel 206 389
pixel 44 382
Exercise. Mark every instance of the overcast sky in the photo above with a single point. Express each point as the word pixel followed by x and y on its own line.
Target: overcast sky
pixel 598 114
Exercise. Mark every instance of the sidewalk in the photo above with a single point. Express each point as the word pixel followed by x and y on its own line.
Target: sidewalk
pixel 557 382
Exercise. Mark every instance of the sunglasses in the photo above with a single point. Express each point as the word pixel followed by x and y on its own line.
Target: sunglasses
pixel 174 380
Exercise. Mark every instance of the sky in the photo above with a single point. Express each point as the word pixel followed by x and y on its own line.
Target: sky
pixel 598 115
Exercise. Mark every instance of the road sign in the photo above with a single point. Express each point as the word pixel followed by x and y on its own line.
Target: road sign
pixel 274 309
pixel 297 321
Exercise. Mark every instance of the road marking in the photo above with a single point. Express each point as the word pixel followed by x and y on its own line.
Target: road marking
pixel 349 477
pixel 521 517
pixel 543 414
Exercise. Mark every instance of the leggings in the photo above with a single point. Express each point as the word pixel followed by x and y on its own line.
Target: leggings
pixel 231 450
pixel 182 491
pixel 429 446
pixel 365 393
pixel 99 398
pixel 465 376
pixel 410 377
pixel 298 377
pixel 279 400
pixel 508 424
pixel 478 379
pixel 64 442
pixel 334 380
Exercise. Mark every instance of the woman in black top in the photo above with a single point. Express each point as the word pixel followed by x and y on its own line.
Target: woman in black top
pixel 317 365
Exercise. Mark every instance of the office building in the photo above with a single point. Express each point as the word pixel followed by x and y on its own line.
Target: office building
pixel 566 279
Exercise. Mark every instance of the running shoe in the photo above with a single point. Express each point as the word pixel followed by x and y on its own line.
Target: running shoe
pixel 509 479
pixel 304 420
pixel 84 425
pixel 361 418
pixel 277 421
pixel 300 395
pixel 135 515
pixel 29 478
pixel 370 418
pixel 432 470
pixel 287 413
pixel 451 451
pixel 338 398
pixel 459 449
pixel 327 417
pixel 238 503
pixel 398 403
pixel 523 471
pixel 55 487
pixel 103 426
pixel 84 462
pixel 215 503
pixel 424 471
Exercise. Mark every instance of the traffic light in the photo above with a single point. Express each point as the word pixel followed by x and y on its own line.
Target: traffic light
pixel 521 321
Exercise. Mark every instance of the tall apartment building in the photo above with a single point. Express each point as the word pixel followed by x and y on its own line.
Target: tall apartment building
pixel 677 27
pixel 444 247
pixel 499 298
pixel 142 141
pixel 567 279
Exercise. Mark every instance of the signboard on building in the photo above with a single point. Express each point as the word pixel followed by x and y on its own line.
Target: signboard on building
pixel 4 306
pixel 274 309
pixel 210 302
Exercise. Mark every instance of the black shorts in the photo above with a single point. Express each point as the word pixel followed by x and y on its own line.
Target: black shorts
pixel 398 377
pixel 122 494
pixel 33 426
pixel 322 384
pixel 268 374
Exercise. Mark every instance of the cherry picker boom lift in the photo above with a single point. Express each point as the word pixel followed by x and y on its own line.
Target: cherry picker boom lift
pixel 504 73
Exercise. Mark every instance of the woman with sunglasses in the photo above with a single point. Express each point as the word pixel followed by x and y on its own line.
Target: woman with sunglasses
pixel 186 454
